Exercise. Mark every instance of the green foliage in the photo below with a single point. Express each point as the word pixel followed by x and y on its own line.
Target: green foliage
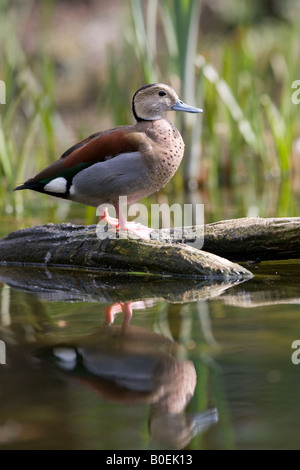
pixel 26 121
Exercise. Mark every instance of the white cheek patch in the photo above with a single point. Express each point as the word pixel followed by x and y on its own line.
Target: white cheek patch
pixel 58 185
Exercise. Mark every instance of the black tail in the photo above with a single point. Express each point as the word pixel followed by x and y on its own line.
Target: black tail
pixel 33 185
pixel 23 186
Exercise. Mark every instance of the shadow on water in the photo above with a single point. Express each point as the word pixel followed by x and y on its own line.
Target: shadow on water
pixel 125 382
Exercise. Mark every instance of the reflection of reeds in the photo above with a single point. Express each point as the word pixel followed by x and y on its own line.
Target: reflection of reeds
pixel 242 79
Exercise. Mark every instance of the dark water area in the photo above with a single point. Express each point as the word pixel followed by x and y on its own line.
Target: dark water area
pixel 111 362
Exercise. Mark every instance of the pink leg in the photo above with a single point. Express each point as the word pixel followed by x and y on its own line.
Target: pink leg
pixel 127 313
pixel 121 223
pixel 110 312
pixel 108 219
pixel 133 227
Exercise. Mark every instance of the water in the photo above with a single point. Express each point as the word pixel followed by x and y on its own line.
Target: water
pixel 112 362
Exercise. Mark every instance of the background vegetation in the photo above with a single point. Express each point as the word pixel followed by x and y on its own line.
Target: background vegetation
pixel 70 69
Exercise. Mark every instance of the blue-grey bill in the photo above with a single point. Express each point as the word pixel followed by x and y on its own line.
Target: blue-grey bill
pixel 181 106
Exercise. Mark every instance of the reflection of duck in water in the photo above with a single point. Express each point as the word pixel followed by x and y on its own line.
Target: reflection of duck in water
pixel 136 366
pixel 126 308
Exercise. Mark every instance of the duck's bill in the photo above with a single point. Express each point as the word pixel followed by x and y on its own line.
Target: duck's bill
pixel 181 106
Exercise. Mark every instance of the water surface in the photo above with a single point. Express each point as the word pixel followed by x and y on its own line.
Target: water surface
pixel 113 362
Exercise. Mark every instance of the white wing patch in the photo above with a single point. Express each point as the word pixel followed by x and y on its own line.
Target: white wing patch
pixel 72 190
pixel 58 185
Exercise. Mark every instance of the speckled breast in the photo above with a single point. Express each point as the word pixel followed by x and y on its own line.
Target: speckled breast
pixel 168 148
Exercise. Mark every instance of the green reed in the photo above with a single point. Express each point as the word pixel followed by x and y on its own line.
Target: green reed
pixel 27 129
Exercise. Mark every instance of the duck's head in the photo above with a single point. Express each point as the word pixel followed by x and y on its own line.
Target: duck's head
pixel 153 101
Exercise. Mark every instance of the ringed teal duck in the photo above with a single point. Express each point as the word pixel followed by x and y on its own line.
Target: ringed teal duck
pixel 132 161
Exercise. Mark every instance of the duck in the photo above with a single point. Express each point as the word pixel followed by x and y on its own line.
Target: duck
pixel 133 161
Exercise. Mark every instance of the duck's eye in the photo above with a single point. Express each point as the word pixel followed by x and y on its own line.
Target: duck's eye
pixel 162 93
